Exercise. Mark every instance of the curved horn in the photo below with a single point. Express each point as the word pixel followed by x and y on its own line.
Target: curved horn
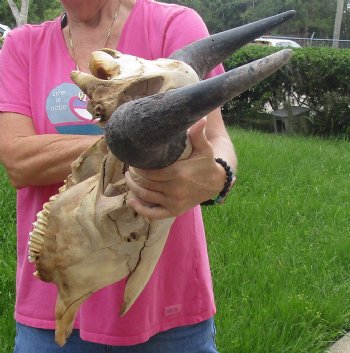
pixel 151 132
pixel 209 52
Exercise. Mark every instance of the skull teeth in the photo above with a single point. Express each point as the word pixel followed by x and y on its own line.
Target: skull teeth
pixel 54 197
pixel 46 208
pixel 35 243
pixel 37 237
pixel 32 256
pixel 38 232
pixel 39 226
pixel 60 190
pixel 34 246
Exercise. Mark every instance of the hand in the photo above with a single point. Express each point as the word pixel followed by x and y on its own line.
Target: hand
pixel 170 191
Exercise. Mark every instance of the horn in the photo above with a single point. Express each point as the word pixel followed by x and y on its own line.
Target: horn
pixel 203 55
pixel 83 80
pixel 150 132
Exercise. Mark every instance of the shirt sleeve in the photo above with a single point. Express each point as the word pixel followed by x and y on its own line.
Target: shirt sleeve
pixel 14 75
pixel 185 28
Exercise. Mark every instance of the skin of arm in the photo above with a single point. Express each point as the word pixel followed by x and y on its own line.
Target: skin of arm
pixel 33 160
pixel 171 191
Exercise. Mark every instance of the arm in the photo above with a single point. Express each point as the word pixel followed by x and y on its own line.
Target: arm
pixel 221 142
pixel 32 159
pixel 186 183
pixel 31 156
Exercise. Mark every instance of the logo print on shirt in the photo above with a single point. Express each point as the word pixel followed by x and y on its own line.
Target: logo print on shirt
pixel 67 112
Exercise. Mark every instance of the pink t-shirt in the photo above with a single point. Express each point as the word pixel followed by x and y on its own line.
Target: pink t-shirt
pixel 35 81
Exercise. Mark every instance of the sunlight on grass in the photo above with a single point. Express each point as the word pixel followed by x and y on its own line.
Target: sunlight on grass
pixel 279 247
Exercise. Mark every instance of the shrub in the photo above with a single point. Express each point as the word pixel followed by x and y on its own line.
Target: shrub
pixel 317 78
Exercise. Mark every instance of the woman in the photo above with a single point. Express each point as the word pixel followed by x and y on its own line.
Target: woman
pixel 44 126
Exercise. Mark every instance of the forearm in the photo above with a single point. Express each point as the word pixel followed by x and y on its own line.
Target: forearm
pixel 32 159
pixel 224 149
pixel 220 140
pixel 44 159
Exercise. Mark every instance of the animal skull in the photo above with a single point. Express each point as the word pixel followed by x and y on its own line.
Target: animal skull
pixel 86 237
pixel 118 78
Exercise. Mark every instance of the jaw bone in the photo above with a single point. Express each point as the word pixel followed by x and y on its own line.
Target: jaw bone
pixel 86 238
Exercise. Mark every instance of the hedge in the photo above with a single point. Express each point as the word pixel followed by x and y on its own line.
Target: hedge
pixel 316 78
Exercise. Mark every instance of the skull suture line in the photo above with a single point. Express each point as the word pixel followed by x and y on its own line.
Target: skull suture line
pixel 86 237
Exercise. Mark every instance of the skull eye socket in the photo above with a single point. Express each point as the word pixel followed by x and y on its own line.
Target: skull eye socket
pixel 102 65
pixel 102 74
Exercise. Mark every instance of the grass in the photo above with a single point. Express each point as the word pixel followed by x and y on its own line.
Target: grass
pixel 279 247
pixel 7 263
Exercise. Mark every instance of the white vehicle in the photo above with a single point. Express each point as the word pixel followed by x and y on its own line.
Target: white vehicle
pixel 4 30
pixel 273 42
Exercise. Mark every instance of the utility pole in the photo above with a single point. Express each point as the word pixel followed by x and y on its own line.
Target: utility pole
pixel 337 23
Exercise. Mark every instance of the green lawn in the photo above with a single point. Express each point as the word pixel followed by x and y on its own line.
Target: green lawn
pixel 7 262
pixel 279 247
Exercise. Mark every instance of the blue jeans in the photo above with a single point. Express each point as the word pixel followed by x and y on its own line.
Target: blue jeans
pixel 198 338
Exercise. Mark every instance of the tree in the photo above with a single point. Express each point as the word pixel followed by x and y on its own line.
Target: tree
pixel 313 16
pixel 337 23
pixel 21 16
pixel 219 15
pixel 6 16
pixel 39 11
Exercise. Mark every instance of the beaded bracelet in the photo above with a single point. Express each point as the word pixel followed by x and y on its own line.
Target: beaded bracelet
pixel 227 186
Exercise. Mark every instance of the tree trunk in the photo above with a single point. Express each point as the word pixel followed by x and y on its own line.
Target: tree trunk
pixel 21 17
pixel 337 23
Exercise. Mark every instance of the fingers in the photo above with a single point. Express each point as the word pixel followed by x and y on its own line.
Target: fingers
pixel 198 128
pixel 153 204
pixel 201 146
pixel 154 175
pixel 170 191
pixel 142 189
pixel 155 212
pixel 199 141
pixel 147 179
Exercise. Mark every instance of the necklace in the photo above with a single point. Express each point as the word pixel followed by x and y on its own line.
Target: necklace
pixel 82 96
pixel 109 32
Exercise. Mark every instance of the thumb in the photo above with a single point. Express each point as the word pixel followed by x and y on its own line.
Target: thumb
pixel 197 136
